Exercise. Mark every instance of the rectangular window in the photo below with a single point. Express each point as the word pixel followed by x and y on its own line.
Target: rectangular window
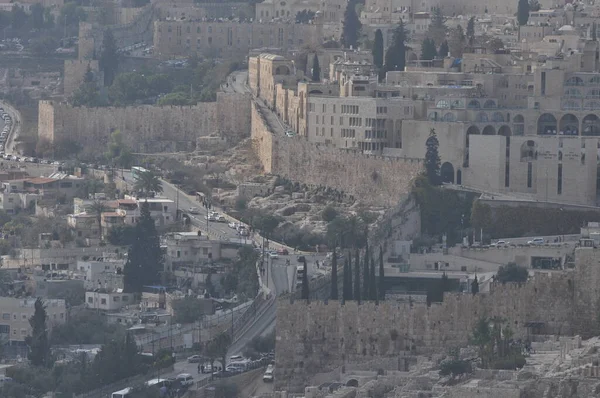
pixel 6 317
pixel 116 299
pixel 103 301
pixel 559 183
pixel 529 174
pixel 543 87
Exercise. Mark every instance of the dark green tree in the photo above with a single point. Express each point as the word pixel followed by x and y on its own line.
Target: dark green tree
pixel 366 284
pixel 352 26
pixel 475 286
pixel 109 58
pixel 435 294
pixel 350 293
pixel 428 51
pixel 523 12
pixel 219 346
pixel 357 294
pixel 381 283
pixel 512 273
pixel 444 49
pixel 471 31
pixel 145 258
pixel 334 277
pixel 395 58
pixel 147 182
pixel 18 17
pixel 345 282
pixel 316 69
pixel 378 49
pixel 305 292
pixel 432 159
pixel 39 346
pixel 437 28
pixel 37 16
pixel 373 283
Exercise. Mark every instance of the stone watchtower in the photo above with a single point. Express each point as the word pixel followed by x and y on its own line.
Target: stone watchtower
pixel 86 41
pixel 74 70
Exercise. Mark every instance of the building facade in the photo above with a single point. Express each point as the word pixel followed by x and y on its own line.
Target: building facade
pixel 16 312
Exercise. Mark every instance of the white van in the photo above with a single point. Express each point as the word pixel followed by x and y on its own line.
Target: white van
pixel 185 379
pixel 124 393
pixel 268 376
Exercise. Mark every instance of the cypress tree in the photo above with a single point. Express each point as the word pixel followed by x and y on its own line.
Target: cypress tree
pixel 444 49
pixel 471 31
pixel 432 159
pixel 428 51
pixel 345 282
pixel 39 346
pixel 356 296
pixel 378 49
pixel 366 295
pixel 381 287
pixel 350 293
pixel 145 257
pixel 352 25
pixel 475 286
pixel 109 58
pixel 334 279
pixel 305 282
pixel 523 12
pixel 373 283
pixel 316 69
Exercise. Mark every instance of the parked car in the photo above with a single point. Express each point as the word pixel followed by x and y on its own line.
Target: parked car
pixel 500 243
pixel 536 241
pixel 194 210
pixel 194 359
pixel 185 379
pixel 273 255
pixel 283 252
pixel 221 218
pixel 233 225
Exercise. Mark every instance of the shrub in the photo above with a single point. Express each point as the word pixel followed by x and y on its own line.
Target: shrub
pixel 455 367
pixel 329 214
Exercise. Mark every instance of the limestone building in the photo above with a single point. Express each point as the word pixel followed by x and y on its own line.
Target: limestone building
pixel 331 10
pixel 16 312
pixel 230 38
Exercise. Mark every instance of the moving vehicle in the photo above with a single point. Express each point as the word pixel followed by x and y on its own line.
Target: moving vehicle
pixel 124 393
pixel 194 359
pixel 233 225
pixel 268 376
pixel 220 218
pixel 136 171
pixel 210 217
pixel 536 241
pixel 185 379
pixel 194 210
pixel 283 252
pixel 273 255
pixel 500 243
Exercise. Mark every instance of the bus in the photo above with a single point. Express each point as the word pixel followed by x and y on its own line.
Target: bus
pixel 137 170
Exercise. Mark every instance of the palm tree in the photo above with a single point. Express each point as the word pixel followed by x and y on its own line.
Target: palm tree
pixel 146 182
pixel 98 207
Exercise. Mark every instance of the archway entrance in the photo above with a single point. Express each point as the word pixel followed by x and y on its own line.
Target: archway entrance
pixel 447 173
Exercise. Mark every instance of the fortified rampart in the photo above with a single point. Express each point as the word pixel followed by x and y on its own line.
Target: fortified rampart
pixel 146 128
pixel 321 336
pixel 375 180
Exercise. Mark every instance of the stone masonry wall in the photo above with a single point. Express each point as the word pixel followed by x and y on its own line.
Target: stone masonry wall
pixel 374 180
pixel 321 336
pixel 146 128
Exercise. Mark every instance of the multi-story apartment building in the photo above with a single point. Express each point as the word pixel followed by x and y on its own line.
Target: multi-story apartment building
pixel 230 38
pixel 16 312
pixel 526 126
pixel 330 10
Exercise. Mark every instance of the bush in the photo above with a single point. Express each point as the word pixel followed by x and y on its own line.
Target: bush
pixel 241 204
pixel 455 367
pixel 510 363
pixel 329 214
pixel 512 273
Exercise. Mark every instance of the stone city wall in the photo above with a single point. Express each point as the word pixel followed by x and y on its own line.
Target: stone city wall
pixel 146 128
pixel 321 336
pixel 375 180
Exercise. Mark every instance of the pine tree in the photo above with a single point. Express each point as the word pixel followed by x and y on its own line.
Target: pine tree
pixel 352 26
pixel 305 292
pixel 381 285
pixel 373 283
pixel 334 279
pixel 475 286
pixel 457 42
pixel 428 51
pixel 444 50
pixel 366 275
pixel 523 12
pixel 395 58
pixel 356 295
pixel 378 49
pixel 39 346
pixel 437 28
pixel 471 31
pixel 145 257
pixel 432 159
pixel 316 69
pixel 345 295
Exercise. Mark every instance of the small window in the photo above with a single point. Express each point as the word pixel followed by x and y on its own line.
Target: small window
pixel 103 301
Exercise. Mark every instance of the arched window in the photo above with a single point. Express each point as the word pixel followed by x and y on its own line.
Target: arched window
pixel 574 81
pixel 591 125
pixel 489 104
pixel 572 93
pixel 457 104
pixel 433 116
pixel 505 131
pixel 528 151
pixel 569 125
pixel 547 124
pixel 474 104
pixel 449 117
pixel 443 104
pixel 497 117
pixel 489 130
pixel 482 117
pixel 519 125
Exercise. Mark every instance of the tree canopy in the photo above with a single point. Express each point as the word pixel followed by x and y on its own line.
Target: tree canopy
pixel 109 58
pixel 378 49
pixel 352 26
pixel 428 51
pixel 432 159
pixel 38 342
pixel 316 69
pixel 147 182
pixel 512 272
pixel 395 58
pixel 523 12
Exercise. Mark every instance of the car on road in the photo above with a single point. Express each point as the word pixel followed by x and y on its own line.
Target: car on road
pixel 194 359
pixel 220 218
pixel 268 376
pixel 283 251
pixel 500 243
pixel 194 210
pixel 233 225
pixel 243 232
pixel 536 241
pixel 210 217
pixel 273 255
pixel 185 379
